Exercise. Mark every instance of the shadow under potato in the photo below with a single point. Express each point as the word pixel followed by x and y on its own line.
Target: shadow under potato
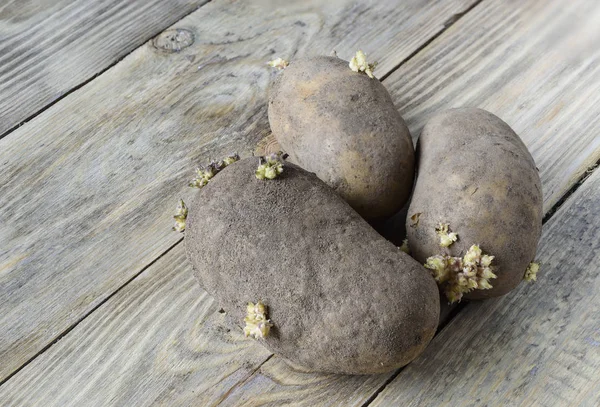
pixel 394 228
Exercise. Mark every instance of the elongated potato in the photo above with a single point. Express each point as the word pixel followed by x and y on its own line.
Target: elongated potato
pixel 340 297
pixel 476 178
pixel 343 126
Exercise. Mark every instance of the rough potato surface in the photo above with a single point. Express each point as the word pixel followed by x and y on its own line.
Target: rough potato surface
pixel 475 174
pixel 341 298
pixel 343 126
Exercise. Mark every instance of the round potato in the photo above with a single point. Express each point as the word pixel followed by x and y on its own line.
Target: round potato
pixel 343 126
pixel 340 297
pixel 477 184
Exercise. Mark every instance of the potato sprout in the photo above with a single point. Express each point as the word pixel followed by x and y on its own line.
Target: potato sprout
pixel 278 63
pixel 446 237
pixel 269 167
pixel 257 324
pixel 206 173
pixel 180 217
pixel 359 63
pixel 531 272
pixel 462 275
pixel 405 247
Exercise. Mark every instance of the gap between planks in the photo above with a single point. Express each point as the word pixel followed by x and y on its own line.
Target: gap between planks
pixel 88 80
pixel 449 23
pixel 443 323
pixel 74 325
pixel 241 382
pixel 588 173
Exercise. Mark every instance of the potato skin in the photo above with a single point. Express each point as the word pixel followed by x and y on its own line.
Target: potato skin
pixel 343 126
pixel 475 173
pixel 342 299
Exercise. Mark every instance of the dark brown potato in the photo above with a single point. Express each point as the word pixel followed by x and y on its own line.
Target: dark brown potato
pixel 476 175
pixel 342 299
pixel 343 126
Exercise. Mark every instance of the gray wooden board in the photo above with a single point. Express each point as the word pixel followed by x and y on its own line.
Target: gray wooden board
pixel 88 188
pixel 538 346
pixel 511 58
pixel 160 341
pixel 538 69
pixel 48 47
pixel 534 63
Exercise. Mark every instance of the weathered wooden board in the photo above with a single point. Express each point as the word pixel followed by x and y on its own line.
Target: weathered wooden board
pixel 534 63
pixel 277 385
pixel 48 47
pixel 538 346
pixel 496 57
pixel 88 188
pixel 160 340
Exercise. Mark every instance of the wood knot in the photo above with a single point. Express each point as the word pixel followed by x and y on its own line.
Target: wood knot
pixel 266 146
pixel 173 40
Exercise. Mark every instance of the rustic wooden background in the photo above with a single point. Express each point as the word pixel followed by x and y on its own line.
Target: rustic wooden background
pixel 107 106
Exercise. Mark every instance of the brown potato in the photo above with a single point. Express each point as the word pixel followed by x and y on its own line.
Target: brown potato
pixel 476 175
pixel 343 126
pixel 340 297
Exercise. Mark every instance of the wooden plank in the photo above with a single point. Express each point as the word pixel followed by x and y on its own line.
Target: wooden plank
pixel 534 63
pixel 87 189
pixel 497 57
pixel 49 47
pixel 538 346
pixel 160 340
pixel 277 384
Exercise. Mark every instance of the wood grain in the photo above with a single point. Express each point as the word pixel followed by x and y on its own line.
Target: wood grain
pixel 48 47
pixel 158 341
pixel 268 145
pixel 534 63
pixel 538 346
pixel 502 56
pixel 538 69
pixel 88 188
pixel 277 384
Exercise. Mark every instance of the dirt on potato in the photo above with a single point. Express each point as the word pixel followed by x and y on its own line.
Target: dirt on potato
pixel 475 175
pixel 340 297
pixel 343 126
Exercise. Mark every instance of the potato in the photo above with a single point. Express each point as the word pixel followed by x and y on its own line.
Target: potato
pixel 343 126
pixel 341 298
pixel 475 176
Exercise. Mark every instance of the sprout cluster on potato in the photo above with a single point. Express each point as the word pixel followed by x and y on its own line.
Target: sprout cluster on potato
pixel 475 176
